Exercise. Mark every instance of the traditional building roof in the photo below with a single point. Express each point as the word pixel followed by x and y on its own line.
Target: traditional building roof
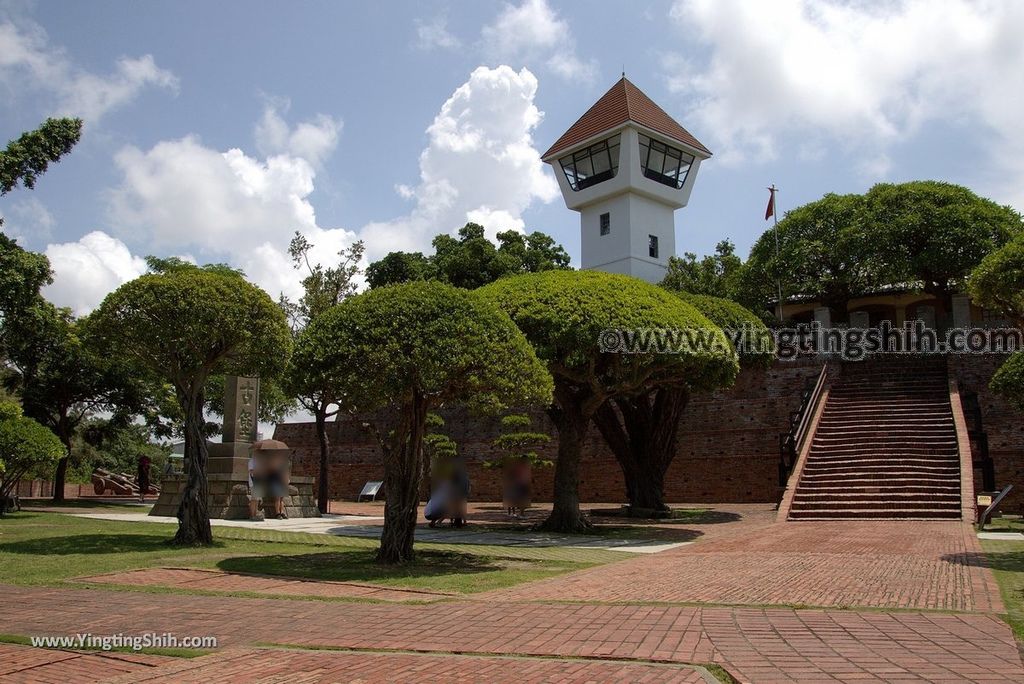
pixel 623 102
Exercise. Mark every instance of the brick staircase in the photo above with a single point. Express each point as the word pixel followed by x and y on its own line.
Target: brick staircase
pixel 885 447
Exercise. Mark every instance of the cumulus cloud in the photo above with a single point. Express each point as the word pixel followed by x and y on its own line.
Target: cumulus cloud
pixel 480 164
pixel 182 196
pixel 312 140
pixel 864 75
pixel 533 32
pixel 29 62
pixel 435 34
pixel 88 269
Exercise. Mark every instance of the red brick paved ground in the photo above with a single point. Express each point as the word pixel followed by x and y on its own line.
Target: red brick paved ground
pixel 920 564
pixel 24 665
pixel 215 580
pixel 916 565
pixel 753 644
pixel 266 665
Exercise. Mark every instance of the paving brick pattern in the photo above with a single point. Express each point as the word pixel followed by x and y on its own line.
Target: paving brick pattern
pixel 754 644
pixel 215 580
pixel 265 665
pixel 871 564
pixel 27 665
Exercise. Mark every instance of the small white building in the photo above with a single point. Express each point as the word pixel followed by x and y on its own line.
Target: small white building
pixel 626 166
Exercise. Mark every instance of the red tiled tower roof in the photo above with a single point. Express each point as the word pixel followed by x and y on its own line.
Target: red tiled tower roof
pixel 623 102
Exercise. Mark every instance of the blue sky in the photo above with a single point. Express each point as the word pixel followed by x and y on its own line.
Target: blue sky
pixel 215 130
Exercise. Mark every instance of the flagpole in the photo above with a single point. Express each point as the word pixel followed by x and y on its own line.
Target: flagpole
pixel 778 264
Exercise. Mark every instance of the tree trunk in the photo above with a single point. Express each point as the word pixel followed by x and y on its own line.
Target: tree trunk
pixel 194 511
pixel 642 432
pixel 60 475
pixel 402 471
pixel 571 420
pixel 322 488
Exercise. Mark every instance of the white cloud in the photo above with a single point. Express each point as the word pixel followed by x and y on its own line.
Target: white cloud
pixel 85 271
pixel 533 32
pixel 29 62
pixel 864 75
pixel 181 193
pixel 181 196
pixel 435 34
pixel 29 221
pixel 480 164
pixel 312 140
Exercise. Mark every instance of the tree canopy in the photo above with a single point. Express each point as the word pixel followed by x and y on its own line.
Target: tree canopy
pixel 62 380
pixel 471 260
pixel 183 326
pixel 823 253
pixel 566 315
pixel 1008 381
pixel 28 157
pixel 324 287
pixel 934 234
pixel 998 281
pixel 733 317
pixel 25 445
pixel 922 235
pixel 714 274
pixel 396 352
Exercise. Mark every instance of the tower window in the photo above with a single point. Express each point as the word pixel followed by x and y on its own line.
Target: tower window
pixel 662 163
pixel 652 246
pixel 592 165
pixel 606 224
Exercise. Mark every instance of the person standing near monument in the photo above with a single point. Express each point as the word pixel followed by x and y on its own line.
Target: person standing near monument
pixel 255 487
pixel 142 476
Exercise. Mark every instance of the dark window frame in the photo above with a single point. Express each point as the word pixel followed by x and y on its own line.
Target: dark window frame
pixel 604 152
pixel 605 223
pixel 675 164
pixel 652 246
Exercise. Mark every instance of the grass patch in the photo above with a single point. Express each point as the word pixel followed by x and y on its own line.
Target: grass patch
pixel 447 571
pixel 38 548
pixel 1006 558
pixel 1007 524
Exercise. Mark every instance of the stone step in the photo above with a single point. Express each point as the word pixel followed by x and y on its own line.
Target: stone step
pixel 876 484
pixel 860 514
pixel 881 465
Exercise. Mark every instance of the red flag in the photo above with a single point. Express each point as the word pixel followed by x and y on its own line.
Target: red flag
pixel 770 211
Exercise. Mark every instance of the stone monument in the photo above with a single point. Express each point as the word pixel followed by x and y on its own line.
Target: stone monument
pixel 227 470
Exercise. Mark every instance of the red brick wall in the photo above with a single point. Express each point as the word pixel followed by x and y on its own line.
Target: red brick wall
pixel 1003 423
pixel 728 446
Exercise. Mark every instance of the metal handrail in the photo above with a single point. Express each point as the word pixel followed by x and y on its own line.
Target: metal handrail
pixel 992 506
pixel 792 442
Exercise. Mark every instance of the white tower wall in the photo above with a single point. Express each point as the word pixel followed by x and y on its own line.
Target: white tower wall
pixel 638 207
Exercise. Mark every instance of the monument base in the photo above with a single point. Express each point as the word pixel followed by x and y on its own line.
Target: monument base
pixel 228 476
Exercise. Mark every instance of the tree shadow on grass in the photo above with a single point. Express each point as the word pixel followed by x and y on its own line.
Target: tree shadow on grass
pixel 1009 561
pixel 360 566
pixel 89 544
pixel 679 516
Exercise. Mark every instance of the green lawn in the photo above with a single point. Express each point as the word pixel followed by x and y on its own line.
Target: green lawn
pixel 1006 558
pixel 39 548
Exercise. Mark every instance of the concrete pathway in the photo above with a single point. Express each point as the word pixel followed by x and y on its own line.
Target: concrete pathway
pixel 349 526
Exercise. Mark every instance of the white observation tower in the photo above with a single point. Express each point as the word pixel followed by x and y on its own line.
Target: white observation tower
pixel 626 166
